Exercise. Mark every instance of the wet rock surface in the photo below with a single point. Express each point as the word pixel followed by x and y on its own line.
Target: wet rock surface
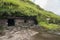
pixel 18 33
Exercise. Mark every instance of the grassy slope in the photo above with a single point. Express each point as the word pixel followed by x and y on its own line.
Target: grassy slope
pixel 25 7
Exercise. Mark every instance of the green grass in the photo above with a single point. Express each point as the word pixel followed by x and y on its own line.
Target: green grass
pixel 49 26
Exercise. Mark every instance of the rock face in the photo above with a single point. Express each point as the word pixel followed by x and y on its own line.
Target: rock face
pixel 18 21
pixel 18 34
pixel 18 28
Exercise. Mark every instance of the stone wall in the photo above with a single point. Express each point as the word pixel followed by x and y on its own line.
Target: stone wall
pixel 3 22
pixel 18 22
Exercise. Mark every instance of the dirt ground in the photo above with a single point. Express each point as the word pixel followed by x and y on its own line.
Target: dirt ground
pixel 46 36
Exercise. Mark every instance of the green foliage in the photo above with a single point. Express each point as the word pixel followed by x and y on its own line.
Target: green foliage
pixel 49 26
pixel 26 7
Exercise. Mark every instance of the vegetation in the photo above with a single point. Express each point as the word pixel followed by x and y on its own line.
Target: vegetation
pixel 45 18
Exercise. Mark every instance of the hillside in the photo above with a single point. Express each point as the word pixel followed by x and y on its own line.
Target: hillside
pixel 26 7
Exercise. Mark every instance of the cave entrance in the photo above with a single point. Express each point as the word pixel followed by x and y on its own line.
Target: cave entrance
pixel 11 22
